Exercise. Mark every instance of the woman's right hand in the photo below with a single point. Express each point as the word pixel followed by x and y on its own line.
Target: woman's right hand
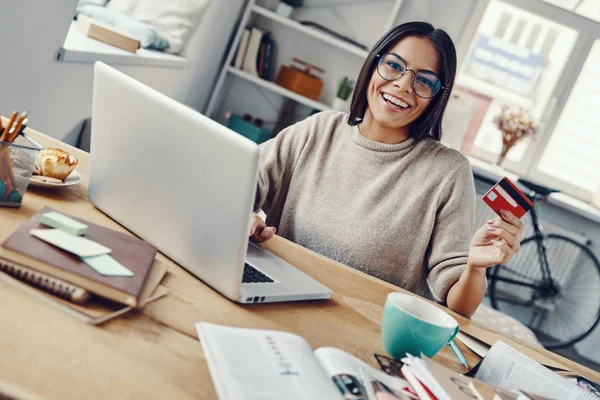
pixel 259 232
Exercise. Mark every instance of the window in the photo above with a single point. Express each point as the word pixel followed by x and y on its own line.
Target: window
pixel 587 8
pixel 573 151
pixel 531 54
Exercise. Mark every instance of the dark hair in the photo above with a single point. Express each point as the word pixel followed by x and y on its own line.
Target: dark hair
pixel 430 122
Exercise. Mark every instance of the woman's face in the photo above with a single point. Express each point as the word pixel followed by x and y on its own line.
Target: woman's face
pixel 418 54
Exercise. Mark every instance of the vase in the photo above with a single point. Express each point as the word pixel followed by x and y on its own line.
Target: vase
pixel 285 10
pixel 339 104
pixel 506 146
pixel 502 155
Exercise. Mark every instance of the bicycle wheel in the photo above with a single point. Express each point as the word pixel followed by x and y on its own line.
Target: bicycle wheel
pixel 561 310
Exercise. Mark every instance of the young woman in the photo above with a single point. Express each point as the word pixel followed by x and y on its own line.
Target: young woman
pixel 376 190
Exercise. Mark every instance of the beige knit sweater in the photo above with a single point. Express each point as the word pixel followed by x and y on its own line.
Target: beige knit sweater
pixel 401 212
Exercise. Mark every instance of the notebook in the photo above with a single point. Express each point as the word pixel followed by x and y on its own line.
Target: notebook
pixel 45 282
pixel 97 310
pixel 23 249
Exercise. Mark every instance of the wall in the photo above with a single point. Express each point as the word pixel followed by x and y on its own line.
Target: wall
pixel 58 94
pixel 450 16
pixel 342 17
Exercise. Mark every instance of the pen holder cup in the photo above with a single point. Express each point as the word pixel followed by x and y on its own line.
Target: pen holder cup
pixel 17 161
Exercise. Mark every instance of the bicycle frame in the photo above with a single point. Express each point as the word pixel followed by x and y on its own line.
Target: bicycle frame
pixel 538 236
pixel 538 232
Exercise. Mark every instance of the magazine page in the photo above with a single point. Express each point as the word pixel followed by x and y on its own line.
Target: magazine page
pixel 477 346
pixel 357 380
pixel 254 364
pixel 508 369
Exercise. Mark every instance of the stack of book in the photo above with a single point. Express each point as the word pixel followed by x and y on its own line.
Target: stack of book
pixel 91 272
pixel 256 53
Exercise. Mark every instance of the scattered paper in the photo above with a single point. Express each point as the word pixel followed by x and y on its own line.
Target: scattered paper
pixel 508 369
pixel 477 346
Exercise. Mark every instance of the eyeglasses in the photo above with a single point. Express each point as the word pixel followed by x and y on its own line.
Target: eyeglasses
pixel 391 67
pixel 389 365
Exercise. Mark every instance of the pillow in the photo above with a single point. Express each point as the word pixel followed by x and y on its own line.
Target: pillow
pixel 148 36
pixel 124 7
pixel 174 19
pixel 100 3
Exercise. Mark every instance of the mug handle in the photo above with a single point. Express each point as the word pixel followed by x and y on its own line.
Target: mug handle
pixel 455 333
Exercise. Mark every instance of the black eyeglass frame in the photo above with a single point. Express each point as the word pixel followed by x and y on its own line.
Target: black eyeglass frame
pixel 412 81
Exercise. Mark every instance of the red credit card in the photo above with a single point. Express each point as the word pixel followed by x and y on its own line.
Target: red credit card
pixel 504 195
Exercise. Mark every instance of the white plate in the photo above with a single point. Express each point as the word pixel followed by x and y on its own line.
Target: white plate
pixel 72 179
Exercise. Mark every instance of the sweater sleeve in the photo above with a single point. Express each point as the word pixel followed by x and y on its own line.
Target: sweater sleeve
pixel 452 233
pixel 278 159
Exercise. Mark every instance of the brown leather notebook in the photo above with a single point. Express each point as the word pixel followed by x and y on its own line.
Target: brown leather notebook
pixel 131 252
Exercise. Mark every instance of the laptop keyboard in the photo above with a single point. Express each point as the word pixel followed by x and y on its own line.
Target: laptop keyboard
pixel 252 275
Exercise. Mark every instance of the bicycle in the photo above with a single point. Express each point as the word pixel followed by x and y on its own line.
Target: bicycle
pixel 552 285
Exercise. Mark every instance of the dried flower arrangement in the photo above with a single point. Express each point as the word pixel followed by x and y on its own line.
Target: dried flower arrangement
pixel 515 125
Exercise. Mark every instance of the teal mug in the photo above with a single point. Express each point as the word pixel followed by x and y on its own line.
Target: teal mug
pixel 412 325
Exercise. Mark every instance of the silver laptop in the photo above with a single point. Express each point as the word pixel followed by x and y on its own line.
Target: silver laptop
pixel 186 184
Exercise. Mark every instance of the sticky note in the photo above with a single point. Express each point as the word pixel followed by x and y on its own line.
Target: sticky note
pixel 62 222
pixel 106 265
pixel 77 245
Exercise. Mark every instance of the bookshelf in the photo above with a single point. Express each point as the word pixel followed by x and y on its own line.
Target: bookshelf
pixel 326 43
pixel 278 89
pixel 322 36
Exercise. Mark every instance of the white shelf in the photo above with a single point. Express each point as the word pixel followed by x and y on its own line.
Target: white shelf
pixel 79 48
pixel 278 89
pixel 561 200
pixel 322 36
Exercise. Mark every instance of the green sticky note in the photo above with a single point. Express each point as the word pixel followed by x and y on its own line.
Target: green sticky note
pixel 62 222
pixel 106 265
pixel 77 245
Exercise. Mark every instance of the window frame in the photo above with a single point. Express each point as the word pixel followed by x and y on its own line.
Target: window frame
pixel 588 31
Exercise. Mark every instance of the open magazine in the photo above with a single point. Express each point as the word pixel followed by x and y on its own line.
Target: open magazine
pixel 260 364
pixel 509 369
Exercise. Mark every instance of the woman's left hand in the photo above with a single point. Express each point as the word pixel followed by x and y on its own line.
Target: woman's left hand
pixel 496 241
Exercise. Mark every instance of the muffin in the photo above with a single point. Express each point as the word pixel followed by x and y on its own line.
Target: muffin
pixel 55 163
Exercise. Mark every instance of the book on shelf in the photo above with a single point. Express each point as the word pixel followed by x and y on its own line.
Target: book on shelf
pixel 256 53
pixel 261 364
pixel 250 64
pixel 23 249
pixel 267 58
pixel 106 33
pixel 242 48
pixel 260 60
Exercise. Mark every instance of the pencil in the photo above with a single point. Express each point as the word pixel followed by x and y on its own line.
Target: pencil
pixel 8 126
pixel 458 354
pixel 15 132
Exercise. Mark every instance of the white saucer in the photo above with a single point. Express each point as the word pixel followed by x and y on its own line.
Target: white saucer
pixel 72 179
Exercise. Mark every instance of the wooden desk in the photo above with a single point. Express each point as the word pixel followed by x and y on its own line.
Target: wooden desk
pixel 155 353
